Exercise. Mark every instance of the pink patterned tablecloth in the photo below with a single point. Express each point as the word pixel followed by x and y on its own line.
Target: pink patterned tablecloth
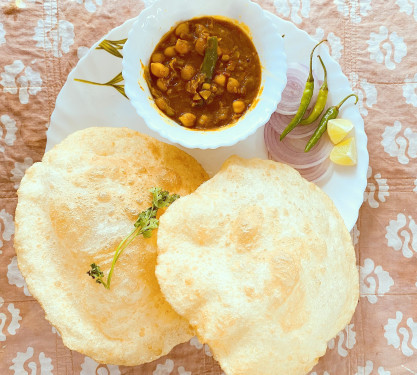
pixel 374 41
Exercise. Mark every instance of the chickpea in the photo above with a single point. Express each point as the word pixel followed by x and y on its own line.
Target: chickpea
pixel 182 29
pixel 161 103
pixel 170 51
pixel 158 57
pixel 203 121
pixel 205 94
pixel 238 106
pixel 164 106
pixel 182 47
pixel 159 70
pixel 225 58
pixel 187 119
pixel 162 85
pixel 220 79
pixel 232 85
pixel 187 72
pixel 200 46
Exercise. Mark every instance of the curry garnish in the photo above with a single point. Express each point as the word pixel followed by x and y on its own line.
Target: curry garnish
pixel 210 58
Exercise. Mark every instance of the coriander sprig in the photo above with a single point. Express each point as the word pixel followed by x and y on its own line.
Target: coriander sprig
pixel 144 225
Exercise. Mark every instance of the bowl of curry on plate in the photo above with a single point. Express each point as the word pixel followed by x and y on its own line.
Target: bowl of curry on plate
pixel 204 74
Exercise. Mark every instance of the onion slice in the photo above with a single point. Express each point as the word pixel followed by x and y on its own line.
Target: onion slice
pixel 279 122
pixel 297 75
pixel 291 150
pixel 317 174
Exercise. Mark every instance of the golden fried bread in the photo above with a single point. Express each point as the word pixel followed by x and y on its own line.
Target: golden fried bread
pixel 74 208
pixel 259 261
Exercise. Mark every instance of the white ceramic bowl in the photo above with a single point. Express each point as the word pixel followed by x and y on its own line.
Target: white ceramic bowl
pixel 157 20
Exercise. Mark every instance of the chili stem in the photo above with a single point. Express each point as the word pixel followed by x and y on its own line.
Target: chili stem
pixel 341 103
pixel 310 75
pixel 324 84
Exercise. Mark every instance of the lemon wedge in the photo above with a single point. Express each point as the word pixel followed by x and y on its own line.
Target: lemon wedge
pixel 344 153
pixel 338 128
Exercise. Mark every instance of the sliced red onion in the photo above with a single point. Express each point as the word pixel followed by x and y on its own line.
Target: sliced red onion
pixel 279 122
pixel 317 174
pixel 291 150
pixel 296 80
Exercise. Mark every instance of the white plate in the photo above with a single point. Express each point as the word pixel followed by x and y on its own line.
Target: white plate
pixel 80 105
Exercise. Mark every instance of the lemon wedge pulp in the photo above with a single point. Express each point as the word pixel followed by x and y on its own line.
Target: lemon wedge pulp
pixel 338 128
pixel 344 153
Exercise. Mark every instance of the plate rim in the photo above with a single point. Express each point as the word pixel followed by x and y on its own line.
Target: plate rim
pixel 350 217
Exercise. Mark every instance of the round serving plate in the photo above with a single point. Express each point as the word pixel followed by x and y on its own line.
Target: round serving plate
pixel 80 105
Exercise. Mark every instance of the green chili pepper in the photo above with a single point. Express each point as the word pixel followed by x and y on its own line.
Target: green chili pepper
pixel 321 100
pixel 305 99
pixel 330 114
pixel 210 58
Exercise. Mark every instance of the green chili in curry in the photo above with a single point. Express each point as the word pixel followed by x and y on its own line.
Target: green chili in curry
pixel 210 58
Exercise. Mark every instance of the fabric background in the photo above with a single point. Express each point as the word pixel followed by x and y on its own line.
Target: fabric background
pixel 374 41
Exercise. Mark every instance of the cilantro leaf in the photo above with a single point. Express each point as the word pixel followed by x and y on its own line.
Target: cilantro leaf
pixel 162 198
pixel 96 273
pixel 144 225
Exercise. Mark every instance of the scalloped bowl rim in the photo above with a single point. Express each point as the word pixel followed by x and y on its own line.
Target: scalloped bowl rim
pixel 273 83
